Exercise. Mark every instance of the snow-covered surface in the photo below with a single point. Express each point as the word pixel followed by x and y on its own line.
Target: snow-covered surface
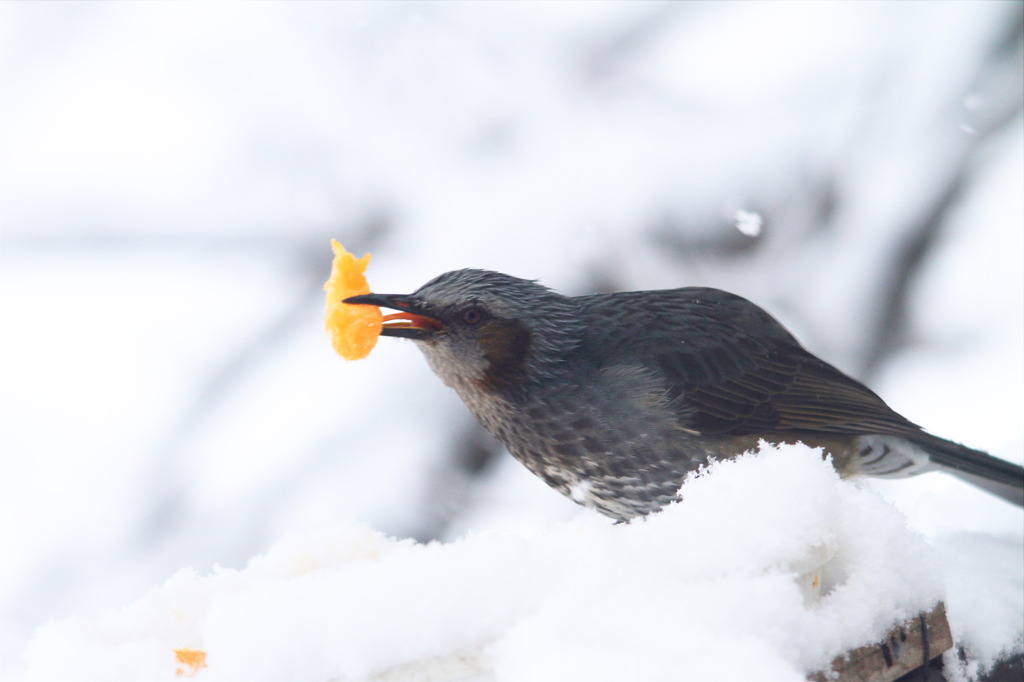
pixel 709 589
pixel 171 175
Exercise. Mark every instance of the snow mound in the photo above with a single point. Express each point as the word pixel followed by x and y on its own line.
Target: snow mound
pixel 673 596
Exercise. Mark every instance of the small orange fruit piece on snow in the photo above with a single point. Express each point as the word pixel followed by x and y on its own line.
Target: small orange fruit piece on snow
pixel 190 661
pixel 354 329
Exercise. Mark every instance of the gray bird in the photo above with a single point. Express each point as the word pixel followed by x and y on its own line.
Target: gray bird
pixel 613 399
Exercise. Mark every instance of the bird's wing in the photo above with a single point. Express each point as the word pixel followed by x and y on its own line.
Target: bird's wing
pixel 730 368
pixel 729 390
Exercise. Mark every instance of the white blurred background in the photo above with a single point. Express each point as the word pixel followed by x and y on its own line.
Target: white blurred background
pixel 171 175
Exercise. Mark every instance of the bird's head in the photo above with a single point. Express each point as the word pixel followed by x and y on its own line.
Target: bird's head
pixel 481 327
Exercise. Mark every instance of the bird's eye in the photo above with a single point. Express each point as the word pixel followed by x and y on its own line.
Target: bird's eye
pixel 472 315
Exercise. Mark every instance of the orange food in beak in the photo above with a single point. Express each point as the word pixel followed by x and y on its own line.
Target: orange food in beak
pixel 354 329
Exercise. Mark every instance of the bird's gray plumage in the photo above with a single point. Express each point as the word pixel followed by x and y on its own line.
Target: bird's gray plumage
pixel 614 398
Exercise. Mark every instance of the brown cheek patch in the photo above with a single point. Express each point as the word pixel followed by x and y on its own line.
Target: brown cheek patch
pixel 506 344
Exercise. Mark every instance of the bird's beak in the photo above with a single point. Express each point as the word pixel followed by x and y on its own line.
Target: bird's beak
pixel 410 323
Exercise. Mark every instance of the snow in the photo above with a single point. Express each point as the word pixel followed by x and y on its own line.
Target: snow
pixel 748 223
pixel 171 175
pixel 674 596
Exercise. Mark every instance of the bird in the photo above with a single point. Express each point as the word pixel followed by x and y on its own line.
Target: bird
pixel 613 399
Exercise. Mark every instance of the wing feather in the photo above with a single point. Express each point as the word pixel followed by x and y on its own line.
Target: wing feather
pixel 731 368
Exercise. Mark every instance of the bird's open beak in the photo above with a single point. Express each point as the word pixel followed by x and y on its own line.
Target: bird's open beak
pixel 410 323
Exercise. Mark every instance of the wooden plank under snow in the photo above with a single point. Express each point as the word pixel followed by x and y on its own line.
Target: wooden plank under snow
pixel 908 646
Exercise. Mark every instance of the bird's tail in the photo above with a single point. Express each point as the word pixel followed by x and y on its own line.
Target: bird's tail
pixel 993 474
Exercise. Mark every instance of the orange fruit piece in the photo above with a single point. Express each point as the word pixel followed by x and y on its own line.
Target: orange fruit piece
pixel 190 661
pixel 354 329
